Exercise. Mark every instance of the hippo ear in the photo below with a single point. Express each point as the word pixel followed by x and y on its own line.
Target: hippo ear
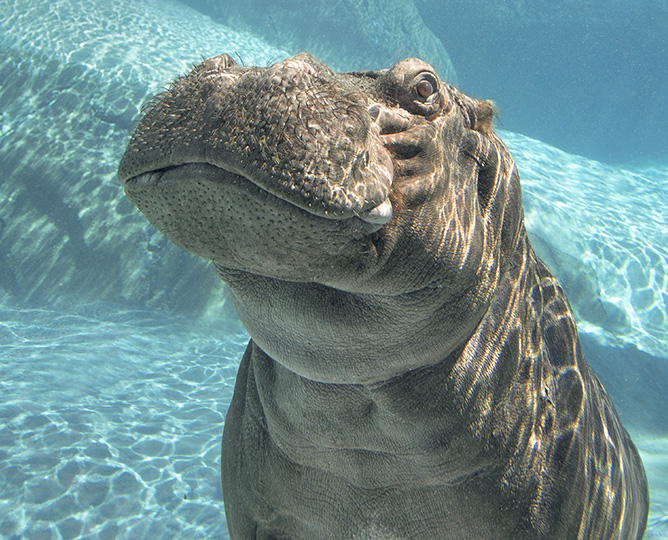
pixel 482 115
pixel 479 113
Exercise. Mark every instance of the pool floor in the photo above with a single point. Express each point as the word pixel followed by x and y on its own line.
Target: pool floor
pixel 111 421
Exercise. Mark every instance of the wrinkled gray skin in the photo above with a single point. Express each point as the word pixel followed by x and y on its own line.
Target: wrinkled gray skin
pixel 414 370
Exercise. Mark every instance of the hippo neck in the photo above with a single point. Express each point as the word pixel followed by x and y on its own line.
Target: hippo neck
pixel 332 336
pixel 464 395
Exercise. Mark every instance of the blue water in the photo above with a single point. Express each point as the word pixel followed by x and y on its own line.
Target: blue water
pixel 118 351
pixel 588 77
pixel 111 424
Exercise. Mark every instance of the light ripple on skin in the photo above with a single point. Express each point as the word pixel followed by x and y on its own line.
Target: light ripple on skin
pixel 613 221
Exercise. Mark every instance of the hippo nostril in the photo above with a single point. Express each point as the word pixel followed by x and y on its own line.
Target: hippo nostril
pixel 362 160
pixel 374 112
pixel 300 65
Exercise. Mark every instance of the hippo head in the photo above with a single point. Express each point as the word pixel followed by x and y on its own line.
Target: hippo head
pixel 372 182
pixel 302 174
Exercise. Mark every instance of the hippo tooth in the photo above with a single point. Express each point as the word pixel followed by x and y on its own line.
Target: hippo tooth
pixel 378 215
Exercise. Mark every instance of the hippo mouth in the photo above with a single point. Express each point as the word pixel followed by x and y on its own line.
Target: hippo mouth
pixel 375 214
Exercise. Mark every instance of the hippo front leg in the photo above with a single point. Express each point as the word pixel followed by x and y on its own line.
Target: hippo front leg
pixel 246 445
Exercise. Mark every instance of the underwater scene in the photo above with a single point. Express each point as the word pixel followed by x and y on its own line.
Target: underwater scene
pixel 119 350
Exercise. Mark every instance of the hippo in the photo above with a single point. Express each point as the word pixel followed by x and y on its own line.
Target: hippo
pixel 414 369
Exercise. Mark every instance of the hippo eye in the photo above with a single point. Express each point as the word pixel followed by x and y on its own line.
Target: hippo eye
pixel 425 86
pixel 424 89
